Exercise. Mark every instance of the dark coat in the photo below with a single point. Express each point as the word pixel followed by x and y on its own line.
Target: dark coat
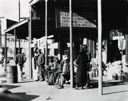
pixel 81 73
pixel 67 67
pixel 20 59
pixel 41 60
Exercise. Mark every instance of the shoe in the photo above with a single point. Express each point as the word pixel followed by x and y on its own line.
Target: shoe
pixel 76 87
pixel 37 80
pixel 56 83
pixel 41 80
pixel 86 86
pixel 60 87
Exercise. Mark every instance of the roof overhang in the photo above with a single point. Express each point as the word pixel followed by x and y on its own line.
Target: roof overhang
pixel 15 26
pixel 33 2
pixel 21 29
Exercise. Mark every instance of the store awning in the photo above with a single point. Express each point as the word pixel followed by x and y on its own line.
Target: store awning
pixel 21 29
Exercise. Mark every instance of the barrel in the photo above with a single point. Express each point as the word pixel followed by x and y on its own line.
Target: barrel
pixel 12 74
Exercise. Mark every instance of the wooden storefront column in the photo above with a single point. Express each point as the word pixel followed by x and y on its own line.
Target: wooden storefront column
pixel 71 50
pixel 19 44
pixel 100 88
pixel 30 38
pixel 46 33
pixel 15 45
pixel 19 19
pixel 5 52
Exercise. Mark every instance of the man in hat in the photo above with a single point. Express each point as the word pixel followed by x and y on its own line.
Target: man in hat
pixel 65 71
pixel 40 64
pixel 20 60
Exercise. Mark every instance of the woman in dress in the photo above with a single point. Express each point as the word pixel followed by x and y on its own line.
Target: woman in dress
pixel 82 62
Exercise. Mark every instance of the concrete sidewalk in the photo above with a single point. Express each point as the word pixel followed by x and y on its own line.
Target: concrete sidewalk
pixel 40 91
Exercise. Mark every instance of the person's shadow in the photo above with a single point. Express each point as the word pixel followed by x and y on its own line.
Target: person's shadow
pixel 26 97
pixel 21 95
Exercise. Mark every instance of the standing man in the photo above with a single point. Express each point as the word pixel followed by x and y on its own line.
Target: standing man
pixel 35 50
pixel 35 67
pixel 20 60
pixel 41 67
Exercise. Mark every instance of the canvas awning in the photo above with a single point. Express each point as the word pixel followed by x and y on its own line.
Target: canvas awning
pixel 33 2
pixel 21 29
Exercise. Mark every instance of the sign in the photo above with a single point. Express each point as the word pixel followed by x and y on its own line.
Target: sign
pixel 116 35
pixel 63 20
pixel 10 40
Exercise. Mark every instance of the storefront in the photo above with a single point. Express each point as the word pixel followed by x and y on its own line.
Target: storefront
pixel 84 26
pixel 16 37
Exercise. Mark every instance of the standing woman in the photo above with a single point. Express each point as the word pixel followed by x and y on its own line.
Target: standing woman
pixel 82 62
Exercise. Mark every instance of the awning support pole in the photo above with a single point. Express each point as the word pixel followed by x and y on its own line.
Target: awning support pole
pixel 71 51
pixel 19 44
pixel 30 38
pixel 100 88
pixel 5 53
pixel 15 45
pixel 19 19
pixel 19 9
pixel 46 33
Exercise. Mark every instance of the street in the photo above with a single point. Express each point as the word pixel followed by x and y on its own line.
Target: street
pixel 40 91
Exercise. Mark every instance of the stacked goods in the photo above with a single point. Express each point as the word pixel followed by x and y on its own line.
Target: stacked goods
pixel 114 70
pixel 94 68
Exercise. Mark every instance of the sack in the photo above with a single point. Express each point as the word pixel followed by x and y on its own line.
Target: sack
pixel 51 80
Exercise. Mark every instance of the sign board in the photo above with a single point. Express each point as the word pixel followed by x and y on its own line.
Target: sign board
pixel 63 20
pixel 116 35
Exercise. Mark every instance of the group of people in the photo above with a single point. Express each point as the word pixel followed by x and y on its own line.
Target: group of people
pixel 58 72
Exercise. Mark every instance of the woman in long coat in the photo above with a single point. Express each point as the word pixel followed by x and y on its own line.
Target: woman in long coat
pixel 82 61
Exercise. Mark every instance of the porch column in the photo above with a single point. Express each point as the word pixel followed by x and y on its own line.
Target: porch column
pixel 15 45
pixel 30 38
pixel 100 88
pixel 19 19
pixel 71 51
pixel 5 52
pixel 46 33
pixel 19 44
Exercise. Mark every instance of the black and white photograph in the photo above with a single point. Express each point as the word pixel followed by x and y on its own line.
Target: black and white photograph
pixel 63 50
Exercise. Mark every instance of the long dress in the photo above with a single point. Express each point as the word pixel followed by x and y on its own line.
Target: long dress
pixel 81 73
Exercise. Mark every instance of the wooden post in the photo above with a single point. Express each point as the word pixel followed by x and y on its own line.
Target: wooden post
pixel 5 52
pixel 30 38
pixel 19 44
pixel 15 44
pixel 71 51
pixel 19 9
pixel 0 34
pixel 46 33
pixel 19 19
pixel 100 88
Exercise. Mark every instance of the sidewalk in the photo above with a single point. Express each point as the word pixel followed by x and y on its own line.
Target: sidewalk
pixel 40 91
